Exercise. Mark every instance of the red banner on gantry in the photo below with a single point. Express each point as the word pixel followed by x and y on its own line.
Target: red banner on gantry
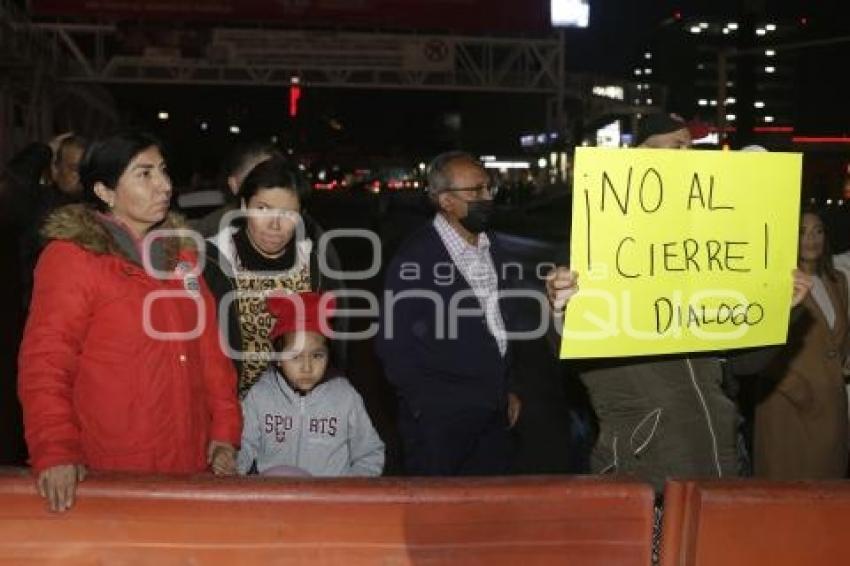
pixel 457 16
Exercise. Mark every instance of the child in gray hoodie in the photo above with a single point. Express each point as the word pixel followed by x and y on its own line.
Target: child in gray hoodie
pixel 300 415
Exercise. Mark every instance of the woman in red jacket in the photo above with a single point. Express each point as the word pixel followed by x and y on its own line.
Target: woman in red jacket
pixel 120 366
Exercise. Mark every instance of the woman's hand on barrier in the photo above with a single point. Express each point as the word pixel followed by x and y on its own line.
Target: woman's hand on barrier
pixel 58 485
pixel 221 457
pixel 561 285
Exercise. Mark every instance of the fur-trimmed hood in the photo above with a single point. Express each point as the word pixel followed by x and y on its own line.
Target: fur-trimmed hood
pixel 84 226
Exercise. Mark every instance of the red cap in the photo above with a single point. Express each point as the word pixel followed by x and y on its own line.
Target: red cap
pixel 300 311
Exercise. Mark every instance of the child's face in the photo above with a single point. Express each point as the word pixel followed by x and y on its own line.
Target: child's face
pixel 308 366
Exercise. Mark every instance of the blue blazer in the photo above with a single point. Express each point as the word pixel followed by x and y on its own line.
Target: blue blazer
pixel 433 356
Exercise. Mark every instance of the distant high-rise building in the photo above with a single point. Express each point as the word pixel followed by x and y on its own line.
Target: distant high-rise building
pixel 729 73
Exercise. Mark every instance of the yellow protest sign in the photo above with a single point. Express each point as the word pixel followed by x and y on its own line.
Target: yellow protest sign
pixel 681 251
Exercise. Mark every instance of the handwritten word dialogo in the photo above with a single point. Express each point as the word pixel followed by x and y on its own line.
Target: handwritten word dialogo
pixel 681 251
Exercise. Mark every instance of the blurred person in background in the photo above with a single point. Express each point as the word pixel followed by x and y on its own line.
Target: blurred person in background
pixel 801 418
pixel 41 178
pixel 241 161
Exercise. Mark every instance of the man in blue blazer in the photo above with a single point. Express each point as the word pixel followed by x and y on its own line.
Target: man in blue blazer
pixel 444 338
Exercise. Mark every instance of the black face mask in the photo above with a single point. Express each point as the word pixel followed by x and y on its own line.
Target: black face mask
pixel 479 213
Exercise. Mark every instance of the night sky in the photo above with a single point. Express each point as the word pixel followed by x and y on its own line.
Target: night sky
pixel 392 123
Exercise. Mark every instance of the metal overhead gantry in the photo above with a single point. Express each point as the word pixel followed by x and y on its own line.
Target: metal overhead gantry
pixel 94 54
pixel 260 57
pixel 271 57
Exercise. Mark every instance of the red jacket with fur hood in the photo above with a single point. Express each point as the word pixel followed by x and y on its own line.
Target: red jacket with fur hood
pixel 111 374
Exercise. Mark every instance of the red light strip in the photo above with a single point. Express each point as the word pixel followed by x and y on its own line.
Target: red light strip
pixel 774 129
pixel 808 139
pixel 759 129
pixel 294 96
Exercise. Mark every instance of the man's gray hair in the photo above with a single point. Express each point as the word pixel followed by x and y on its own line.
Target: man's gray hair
pixel 438 171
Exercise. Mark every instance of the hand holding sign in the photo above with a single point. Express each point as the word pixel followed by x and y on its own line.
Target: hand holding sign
pixel 561 285
pixel 802 287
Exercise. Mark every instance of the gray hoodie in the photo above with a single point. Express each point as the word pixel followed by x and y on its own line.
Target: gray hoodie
pixel 326 432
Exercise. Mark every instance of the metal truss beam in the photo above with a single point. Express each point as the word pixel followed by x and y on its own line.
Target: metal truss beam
pixel 268 57
pixel 468 64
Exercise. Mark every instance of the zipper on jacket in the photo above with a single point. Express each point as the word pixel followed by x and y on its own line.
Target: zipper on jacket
pixel 707 418
pixel 300 434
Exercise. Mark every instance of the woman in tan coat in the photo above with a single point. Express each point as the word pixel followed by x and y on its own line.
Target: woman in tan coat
pixel 801 419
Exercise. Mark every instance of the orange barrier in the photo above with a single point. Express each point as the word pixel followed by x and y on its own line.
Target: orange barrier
pixel 731 523
pixel 125 519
